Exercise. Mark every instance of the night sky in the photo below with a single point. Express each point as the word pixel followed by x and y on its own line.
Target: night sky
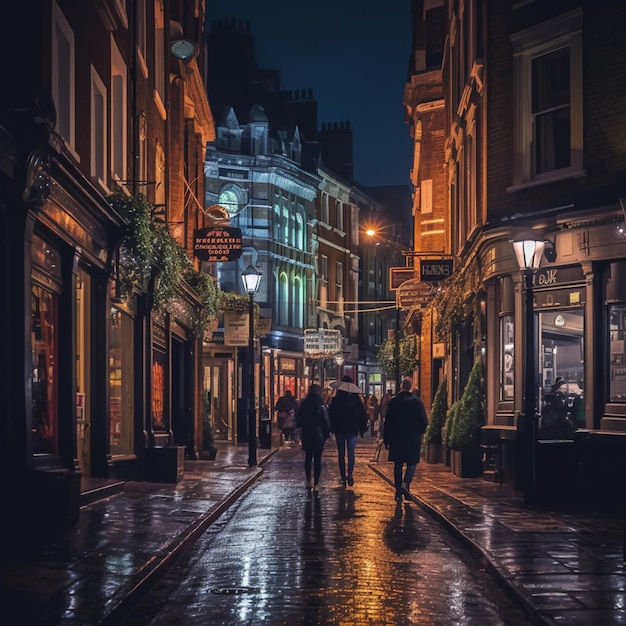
pixel 354 55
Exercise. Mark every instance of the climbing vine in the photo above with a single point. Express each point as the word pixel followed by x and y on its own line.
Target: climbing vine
pixel 147 250
pixel 453 298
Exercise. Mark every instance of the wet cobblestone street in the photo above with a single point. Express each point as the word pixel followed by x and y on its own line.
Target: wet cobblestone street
pixel 348 556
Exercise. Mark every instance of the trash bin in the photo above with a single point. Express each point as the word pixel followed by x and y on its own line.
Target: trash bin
pixel 265 434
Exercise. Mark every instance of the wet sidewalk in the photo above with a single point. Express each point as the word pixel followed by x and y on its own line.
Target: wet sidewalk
pixel 564 568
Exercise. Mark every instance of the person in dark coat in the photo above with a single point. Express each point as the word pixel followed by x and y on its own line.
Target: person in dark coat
pixel 286 408
pixel 312 418
pixel 348 419
pixel 405 424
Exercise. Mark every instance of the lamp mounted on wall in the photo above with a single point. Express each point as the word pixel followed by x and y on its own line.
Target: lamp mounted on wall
pixel 549 250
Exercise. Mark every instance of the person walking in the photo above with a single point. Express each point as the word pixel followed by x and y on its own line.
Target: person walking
pixel 384 403
pixel 348 419
pixel 405 424
pixel 372 409
pixel 312 419
pixel 286 408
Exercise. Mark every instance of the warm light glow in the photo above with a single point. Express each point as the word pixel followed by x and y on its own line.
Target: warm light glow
pixel 528 253
pixel 251 278
pixel 370 232
pixel 339 359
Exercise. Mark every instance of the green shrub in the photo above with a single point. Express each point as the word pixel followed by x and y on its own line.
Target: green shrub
pixel 470 413
pixel 438 412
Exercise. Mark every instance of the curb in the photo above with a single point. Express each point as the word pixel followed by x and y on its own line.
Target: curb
pixel 512 590
pixel 125 598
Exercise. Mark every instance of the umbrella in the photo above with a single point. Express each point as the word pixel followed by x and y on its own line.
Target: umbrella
pixel 344 385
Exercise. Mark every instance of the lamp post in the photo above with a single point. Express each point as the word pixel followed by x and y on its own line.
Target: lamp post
pixel 251 278
pixel 528 253
pixel 340 360
pixel 397 346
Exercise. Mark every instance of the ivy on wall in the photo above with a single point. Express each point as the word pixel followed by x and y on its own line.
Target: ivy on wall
pixel 147 250
pixel 453 298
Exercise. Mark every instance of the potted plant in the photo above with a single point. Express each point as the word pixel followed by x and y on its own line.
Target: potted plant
pixel 433 435
pixel 464 431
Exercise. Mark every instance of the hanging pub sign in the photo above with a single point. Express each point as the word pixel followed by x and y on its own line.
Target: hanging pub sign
pixel 433 271
pixel 219 243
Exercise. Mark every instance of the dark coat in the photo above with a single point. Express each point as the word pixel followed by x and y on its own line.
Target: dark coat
pixel 347 414
pixel 405 424
pixel 312 418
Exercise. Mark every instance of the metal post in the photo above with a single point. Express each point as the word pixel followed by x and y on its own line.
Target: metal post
pixel 397 353
pixel 530 402
pixel 252 461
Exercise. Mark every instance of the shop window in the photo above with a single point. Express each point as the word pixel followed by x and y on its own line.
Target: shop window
pixel 121 406
pixel 507 355
pixel 45 383
pixel 617 353
pixel 159 362
pixel 46 281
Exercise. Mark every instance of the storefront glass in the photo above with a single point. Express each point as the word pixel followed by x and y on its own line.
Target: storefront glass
pixel 561 367
pixel 45 344
pixel 121 406
pixel 507 355
pixel 617 353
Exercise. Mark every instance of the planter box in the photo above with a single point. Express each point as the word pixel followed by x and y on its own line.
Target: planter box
pixel 165 464
pixel 466 463
pixel 434 452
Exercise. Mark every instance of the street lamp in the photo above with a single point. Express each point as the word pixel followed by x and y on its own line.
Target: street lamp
pixel 251 278
pixel 397 346
pixel 340 359
pixel 528 253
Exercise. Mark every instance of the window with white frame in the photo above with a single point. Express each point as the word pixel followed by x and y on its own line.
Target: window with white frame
pixel 339 283
pixel 548 100
pixel 159 176
pixel 142 36
pixel 98 128
pixel 63 76
pixel 142 165
pixel 339 215
pixel 119 119
pixel 299 232
pixel 324 269
pixel 324 208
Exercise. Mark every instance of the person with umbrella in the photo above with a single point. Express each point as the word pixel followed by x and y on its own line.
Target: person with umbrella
pixel 405 424
pixel 348 419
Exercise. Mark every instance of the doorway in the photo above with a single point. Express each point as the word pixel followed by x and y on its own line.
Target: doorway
pixel 561 342
pixel 217 395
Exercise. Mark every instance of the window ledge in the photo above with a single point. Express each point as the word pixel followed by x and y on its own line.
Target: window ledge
pixel 556 177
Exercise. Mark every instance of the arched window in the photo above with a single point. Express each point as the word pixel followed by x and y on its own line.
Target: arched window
pixel 298 300
pixel 299 234
pixel 283 299
pixel 232 198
